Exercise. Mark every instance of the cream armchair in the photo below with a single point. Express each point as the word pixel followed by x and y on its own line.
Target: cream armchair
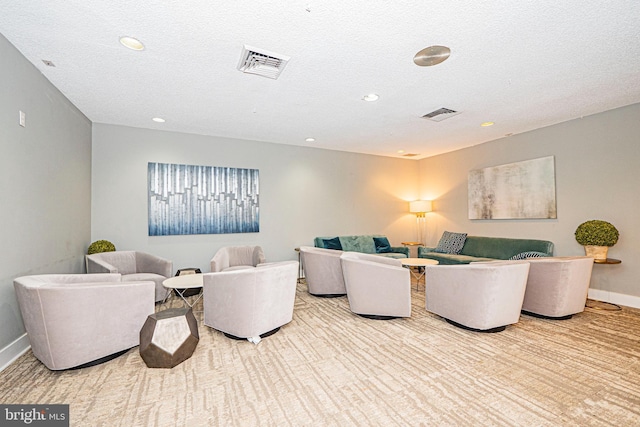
pixel 483 297
pixel 237 258
pixel 323 271
pixel 250 303
pixel 134 266
pixel 557 287
pixel 377 287
pixel 76 320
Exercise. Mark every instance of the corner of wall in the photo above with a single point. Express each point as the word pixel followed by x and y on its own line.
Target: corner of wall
pixel 13 351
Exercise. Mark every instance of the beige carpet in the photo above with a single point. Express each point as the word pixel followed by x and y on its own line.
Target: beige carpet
pixel 332 368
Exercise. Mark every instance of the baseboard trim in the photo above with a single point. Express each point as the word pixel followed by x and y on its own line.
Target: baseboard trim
pixel 14 350
pixel 614 298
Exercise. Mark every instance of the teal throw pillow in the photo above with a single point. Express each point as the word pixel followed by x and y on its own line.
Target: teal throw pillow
pixel 332 243
pixel 451 243
pixel 382 245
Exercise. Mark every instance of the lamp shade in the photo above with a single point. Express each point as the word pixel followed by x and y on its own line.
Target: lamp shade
pixel 420 206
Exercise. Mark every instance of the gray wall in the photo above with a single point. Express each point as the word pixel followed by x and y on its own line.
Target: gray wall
pixel 304 192
pixel 45 182
pixel 597 162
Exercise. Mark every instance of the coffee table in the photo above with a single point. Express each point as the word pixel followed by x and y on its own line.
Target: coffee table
pixel 180 284
pixel 418 264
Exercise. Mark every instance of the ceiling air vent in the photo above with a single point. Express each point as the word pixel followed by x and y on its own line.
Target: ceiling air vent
pixel 262 62
pixel 441 114
pixel 410 155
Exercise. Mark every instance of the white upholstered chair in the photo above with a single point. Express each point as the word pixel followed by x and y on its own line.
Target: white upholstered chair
pixel 237 257
pixel 250 303
pixel 557 286
pixel 133 266
pixel 484 297
pixel 377 287
pixel 323 271
pixel 75 320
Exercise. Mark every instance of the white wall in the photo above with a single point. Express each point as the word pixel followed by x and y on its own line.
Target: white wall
pixel 304 193
pixel 45 182
pixel 597 162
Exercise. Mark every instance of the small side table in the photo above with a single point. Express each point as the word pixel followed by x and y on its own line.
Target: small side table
pixel 181 284
pixel 607 261
pixel 602 305
pixel 168 338
pixel 300 267
pixel 189 270
pixel 410 245
pixel 418 264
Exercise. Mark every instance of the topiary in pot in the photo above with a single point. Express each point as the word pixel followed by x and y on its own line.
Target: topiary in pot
pixel 597 236
pixel 100 246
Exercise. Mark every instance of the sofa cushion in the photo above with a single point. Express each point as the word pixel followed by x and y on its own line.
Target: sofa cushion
pixel 362 243
pixel 382 245
pixel 528 254
pixel 332 243
pixel 502 247
pixel 479 248
pixel 451 243
pixel 452 259
pixel 396 255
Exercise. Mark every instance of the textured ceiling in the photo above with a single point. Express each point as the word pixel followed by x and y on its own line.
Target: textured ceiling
pixel 522 65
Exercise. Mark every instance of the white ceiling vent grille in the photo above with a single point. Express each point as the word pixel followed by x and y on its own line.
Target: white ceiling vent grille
pixel 441 114
pixel 262 62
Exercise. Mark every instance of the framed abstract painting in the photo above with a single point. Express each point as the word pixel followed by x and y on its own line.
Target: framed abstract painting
pixel 188 199
pixel 521 190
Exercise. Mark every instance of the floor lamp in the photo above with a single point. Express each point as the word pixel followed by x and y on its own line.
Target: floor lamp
pixel 420 208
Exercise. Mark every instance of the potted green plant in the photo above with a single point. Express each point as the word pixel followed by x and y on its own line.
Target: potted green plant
pixel 100 246
pixel 597 236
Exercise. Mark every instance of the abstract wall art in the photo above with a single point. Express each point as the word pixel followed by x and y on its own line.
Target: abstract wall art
pixel 187 199
pixel 518 190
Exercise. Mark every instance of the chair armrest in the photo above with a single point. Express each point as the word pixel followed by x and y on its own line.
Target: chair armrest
pixel 424 250
pixel 99 266
pixel 220 261
pixel 148 263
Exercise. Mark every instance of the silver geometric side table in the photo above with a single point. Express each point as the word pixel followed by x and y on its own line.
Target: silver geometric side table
pixel 168 337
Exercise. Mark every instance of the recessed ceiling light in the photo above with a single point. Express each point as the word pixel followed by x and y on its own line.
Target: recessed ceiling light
pixel 158 120
pixel 131 43
pixel 400 151
pixel 371 97
pixel 432 55
pixel 310 140
pixel 487 124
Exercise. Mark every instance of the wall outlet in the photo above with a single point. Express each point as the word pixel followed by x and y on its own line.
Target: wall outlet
pixel 23 119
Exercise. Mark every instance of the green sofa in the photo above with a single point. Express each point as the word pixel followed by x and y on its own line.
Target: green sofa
pixel 478 248
pixel 362 243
